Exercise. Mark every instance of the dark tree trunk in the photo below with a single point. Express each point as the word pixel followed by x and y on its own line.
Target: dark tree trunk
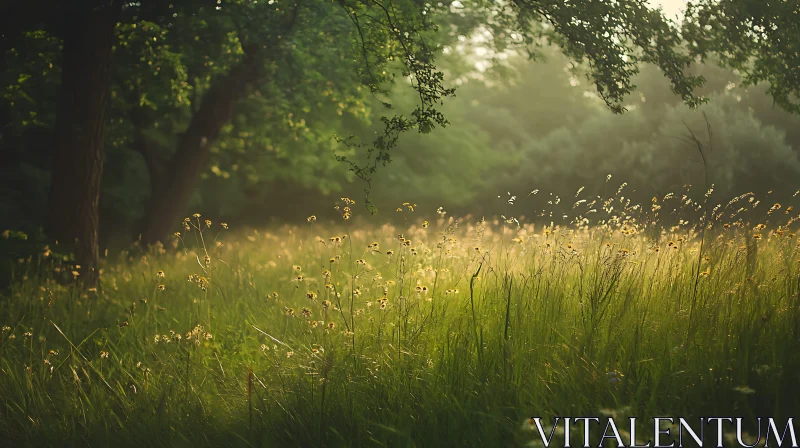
pixel 172 187
pixel 80 124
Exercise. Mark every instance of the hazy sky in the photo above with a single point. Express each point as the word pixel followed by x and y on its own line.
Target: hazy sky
pixel 671 7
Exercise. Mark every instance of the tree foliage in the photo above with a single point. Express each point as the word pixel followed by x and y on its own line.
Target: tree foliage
pixel 757 38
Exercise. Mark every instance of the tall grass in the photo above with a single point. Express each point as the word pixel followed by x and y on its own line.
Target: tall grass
pixel 448 334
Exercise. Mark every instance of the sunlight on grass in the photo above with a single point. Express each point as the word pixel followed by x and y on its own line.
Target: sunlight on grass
pixel 439 332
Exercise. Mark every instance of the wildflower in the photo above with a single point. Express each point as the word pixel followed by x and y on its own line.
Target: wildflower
pixel 162 287
pixel 289 354
pixel 206 260
pixel 208 223
pixel 311 218
pixel 196 215
pixel 305 312
pixel 289 312
pixel 6 328
pixel 103 354
pixel 203 283
pixel 224 225
pixel 331 325
pixel 326 303
pixel 311 295
pixel 389 252
pixel 160 274
pixel 274 295
pixel 156 339
pixel 177 234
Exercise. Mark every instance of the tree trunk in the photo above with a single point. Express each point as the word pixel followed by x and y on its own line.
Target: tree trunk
pixel 80 124
pixel 172 189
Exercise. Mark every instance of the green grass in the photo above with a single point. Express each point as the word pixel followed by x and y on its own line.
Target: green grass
pixel 512 322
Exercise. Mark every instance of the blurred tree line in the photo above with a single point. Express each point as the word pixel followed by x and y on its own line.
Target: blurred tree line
pixel 557 138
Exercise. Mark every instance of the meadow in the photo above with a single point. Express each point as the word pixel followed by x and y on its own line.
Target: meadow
pixel 439 331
